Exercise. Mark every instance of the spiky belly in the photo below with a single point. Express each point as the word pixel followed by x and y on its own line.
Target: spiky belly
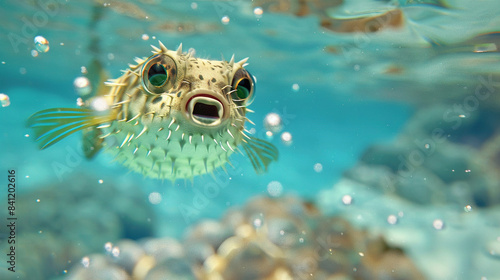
pixel 169 153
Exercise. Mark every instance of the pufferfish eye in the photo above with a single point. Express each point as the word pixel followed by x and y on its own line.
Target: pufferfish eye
pixel 243 87
pixel 158 74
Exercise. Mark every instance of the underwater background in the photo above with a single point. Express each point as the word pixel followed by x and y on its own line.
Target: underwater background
pixel 391 171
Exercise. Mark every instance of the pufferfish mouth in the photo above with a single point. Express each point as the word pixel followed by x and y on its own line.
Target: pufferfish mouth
pixel 205 109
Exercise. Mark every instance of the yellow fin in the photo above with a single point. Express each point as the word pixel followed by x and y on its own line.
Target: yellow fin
pixel 261 153
pixel 52 125
pixel 97 76
pixel 91 140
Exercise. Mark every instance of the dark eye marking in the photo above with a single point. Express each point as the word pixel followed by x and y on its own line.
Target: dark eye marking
pixel 156 100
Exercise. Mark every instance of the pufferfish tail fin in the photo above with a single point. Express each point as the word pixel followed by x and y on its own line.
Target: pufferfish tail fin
pixel 261 153
pixel 52 125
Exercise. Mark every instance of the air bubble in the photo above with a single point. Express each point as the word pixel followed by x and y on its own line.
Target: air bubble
pixel 468 208
pixel 295 87
pixel 115 252
pixel 273 122
pixel 392 219
pixel 257 223
pixel 108 246
pixel 438 224
pixel 85 262
pixel 318 167
pixel 225 20
pixel 286 138
pixel 258 11
pixel 4 100
pixel 41 44
pixel 347 199
pixel 82 86
pixel 274 188
pixel 145 37
pixel 154 198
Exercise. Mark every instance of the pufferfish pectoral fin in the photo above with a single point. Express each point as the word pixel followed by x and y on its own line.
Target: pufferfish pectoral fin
pixel 92 142
pixel 52 125
pixel 261 153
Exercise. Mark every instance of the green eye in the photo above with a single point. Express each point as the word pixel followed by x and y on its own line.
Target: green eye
pixel 243 87
pixel 158 74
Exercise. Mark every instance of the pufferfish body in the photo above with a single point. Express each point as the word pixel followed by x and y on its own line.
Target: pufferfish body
pixel 169 116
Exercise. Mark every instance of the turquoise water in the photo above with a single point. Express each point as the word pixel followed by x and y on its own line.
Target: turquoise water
pixel 392 106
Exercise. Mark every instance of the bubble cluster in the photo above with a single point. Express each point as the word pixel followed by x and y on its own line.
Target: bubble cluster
pixel 273 122
pixel 4 100
pixel 82 86
pixel 79 102
pixel 41 44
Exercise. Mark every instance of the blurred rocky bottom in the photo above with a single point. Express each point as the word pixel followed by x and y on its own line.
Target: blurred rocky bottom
pixel 268 238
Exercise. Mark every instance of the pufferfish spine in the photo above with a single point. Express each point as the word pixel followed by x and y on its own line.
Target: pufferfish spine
pixel 169 116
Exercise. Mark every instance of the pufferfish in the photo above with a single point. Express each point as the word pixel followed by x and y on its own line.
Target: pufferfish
pixel 170 116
